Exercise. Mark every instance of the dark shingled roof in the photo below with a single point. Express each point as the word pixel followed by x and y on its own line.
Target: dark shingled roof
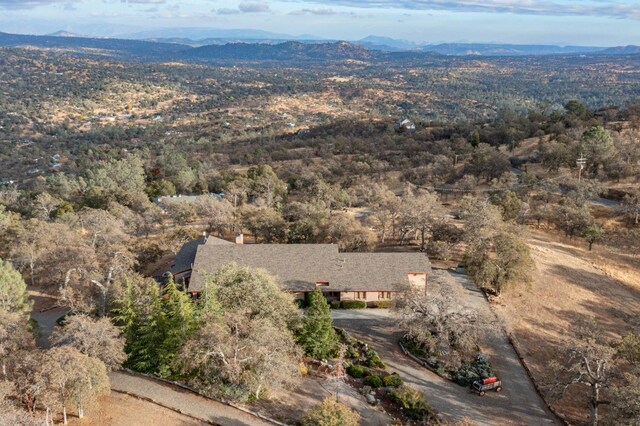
pixel 185 257
pixel 299 266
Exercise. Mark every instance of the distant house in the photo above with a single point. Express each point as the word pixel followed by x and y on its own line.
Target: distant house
pixel 301 268
pixel 405 126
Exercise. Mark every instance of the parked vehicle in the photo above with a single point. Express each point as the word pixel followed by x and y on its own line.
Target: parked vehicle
pixel 483 385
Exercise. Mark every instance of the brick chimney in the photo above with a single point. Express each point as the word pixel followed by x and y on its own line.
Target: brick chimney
pixel 239 238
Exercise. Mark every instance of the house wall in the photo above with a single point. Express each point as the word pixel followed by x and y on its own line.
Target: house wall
pixel 418 279
pixel 370 296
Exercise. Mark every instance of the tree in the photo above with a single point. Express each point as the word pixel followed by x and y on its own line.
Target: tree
pixel 265 184
pixel 625 401
pixel 488 162
pixel 13 290
pixel 419 212
pixel 317 336
pixel 572 217
pixel 155 332
pixel 253 291
pixel 30 241
pixel 631 206
pixel 593 234
pixel 15 338
pixel 74 378
pixel 510 263
pixel 117 180
pixel 439 321
pixel 217 213
pixel 629 348
pixel 349 233
pixel 331 413
pixel 597 145
pixel 241 357
pixel 509 203
pixel 265 223
pixel 97 338
pixel 160 188
pixel 586 363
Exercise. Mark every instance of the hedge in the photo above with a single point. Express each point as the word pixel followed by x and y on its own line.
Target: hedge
pixel 335 304
pixel 353 304
pixel 381 304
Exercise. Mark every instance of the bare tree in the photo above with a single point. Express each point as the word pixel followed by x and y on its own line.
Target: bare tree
pixel 74 377
pixel 14 337
pixel 439 321
pixel 586 363
pixel 97 338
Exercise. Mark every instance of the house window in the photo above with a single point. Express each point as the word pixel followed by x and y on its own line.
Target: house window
pixel 361 295
pixel 384 295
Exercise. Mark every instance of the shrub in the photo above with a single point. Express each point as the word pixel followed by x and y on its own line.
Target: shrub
pixel 373 359
pixel 301 303
pixel 392 380
pixel 468 373
pixel 353 304
pixel 335 304
pixel 412 401
pixel 381 304
pixel 373 381
pixel 331 412
pixel 356 371
pixel 352 353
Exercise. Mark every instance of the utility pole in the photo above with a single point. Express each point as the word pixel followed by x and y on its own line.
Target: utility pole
pixel 580 162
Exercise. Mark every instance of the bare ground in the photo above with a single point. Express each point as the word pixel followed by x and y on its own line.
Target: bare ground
pixel 571 284
pixel 118 409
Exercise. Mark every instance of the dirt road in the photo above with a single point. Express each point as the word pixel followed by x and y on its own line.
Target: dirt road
pixel 518 404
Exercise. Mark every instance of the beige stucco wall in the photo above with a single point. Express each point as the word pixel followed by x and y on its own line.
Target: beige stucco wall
pixel 371 296
pixel 418 279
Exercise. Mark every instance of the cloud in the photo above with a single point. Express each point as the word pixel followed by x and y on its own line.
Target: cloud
pixel 143 1
pixel 254 7
pixel 321 12
pixel 227 11
pixel 609 8
pixel 26 4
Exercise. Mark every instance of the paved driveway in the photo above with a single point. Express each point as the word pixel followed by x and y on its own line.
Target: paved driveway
pixel 517 404
pixel 182 400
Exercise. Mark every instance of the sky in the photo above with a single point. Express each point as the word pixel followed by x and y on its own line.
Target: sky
pixel 564 22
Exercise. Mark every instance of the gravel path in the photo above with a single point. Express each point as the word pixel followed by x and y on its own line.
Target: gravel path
pixel 517 404
pixel 182 400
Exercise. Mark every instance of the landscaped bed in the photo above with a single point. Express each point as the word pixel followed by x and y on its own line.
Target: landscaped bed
pixel 368 373
pixel 464 374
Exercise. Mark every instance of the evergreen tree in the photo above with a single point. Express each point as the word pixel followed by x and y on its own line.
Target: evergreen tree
pixel 13 290
pixel 155 323
pixel 176 322
pixel 317 336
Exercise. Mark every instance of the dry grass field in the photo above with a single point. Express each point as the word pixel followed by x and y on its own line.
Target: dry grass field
pixel 570 284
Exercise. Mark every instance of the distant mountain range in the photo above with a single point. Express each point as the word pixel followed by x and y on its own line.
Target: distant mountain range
pixel 264 49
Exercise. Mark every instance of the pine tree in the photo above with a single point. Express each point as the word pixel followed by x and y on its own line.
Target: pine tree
pixel 176 322
pixel 317 336
pixel 13 290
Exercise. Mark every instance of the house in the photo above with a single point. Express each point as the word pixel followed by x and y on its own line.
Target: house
pixel 301 268
pixel 405 126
